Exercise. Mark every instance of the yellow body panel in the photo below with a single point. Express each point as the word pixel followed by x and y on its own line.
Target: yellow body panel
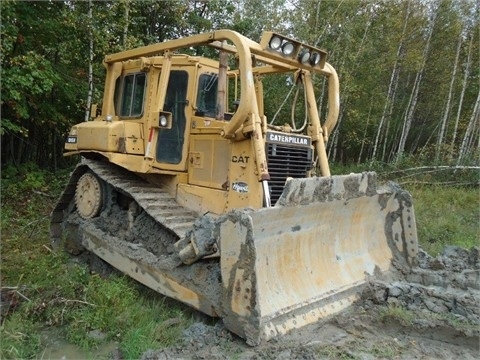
pixel 134 139
pixel 200 199
pixel 100 136
pixel 110 137
pixel 209 159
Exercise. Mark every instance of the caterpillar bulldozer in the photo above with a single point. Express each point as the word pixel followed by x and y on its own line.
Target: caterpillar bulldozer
pixel 187 187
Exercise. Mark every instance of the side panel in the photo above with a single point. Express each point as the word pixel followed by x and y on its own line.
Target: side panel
pixel 100 135
pixel 244 188
pixel 201 199
pixel 134 139
pixel 114 137
pixel 209 160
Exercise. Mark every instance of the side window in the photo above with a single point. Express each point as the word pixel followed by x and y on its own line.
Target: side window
pixel 130 95
pixel 207 95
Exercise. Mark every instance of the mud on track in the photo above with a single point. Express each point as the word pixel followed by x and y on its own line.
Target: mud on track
pixel 429 312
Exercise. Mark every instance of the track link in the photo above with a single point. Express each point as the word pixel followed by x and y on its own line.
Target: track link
pixel 154 200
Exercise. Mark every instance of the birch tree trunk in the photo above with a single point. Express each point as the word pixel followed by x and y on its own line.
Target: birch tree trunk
pixel 125 28
pixel 387 109
pixel 408 119
pixel 90 61
pixel 333 144
pixel 412 103
pixel 365 133
pixel 462 94
pixel 446 113
pixel 469 137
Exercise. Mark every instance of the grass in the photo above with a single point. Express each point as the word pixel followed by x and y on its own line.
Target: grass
pixel 49 290
pixel 397 314
pixel 446 201
pixel 43 289
pixel 20 337
pixel 446 216
pixel 407 318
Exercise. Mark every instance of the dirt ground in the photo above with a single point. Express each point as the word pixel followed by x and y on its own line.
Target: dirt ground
pixel 430 312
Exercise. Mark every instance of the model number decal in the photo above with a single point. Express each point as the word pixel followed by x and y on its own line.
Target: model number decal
pixel 240 187
pixel 72 140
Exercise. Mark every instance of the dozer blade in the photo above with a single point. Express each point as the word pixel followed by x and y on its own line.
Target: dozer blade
pixel 309 256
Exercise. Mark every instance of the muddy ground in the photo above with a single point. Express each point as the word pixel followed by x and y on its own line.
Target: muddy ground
pixel 430 312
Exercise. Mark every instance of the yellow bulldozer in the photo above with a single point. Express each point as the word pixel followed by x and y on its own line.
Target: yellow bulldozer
pixel 187 187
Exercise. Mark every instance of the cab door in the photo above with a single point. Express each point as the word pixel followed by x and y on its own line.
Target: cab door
pixel 170 142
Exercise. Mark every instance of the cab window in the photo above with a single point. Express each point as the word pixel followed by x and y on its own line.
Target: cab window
pixel 130 95
pixel 207 95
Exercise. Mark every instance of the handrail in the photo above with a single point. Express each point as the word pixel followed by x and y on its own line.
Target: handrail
pixel 333 100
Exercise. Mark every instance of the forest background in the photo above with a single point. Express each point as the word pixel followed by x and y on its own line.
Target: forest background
pixel 409 70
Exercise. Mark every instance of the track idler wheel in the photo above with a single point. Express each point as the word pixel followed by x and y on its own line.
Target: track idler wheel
pixel 89 195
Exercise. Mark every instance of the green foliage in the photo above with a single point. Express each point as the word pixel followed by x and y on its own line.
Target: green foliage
pixel 446 216
pixel 163 325
pixel 125 312
pixel 20 338
pixel 8 126
pixel 27 180
pixel 401 315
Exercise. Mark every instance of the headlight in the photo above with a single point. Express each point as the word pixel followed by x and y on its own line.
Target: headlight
pixel 163 121
pixel 109 117
pixel 275 42
pixel 304 56
pixel 315 59
pixel 287 48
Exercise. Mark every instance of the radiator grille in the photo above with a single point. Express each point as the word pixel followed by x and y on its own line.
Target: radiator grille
pixel 286 161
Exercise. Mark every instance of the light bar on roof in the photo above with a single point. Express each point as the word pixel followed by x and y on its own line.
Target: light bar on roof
pixel 285 47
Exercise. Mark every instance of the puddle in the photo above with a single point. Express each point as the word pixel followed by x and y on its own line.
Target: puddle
pixel 56 347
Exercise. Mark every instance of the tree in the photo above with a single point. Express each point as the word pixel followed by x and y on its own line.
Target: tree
pixel 411 107
pixel 408 84
pixel 382 130
pixel 34 96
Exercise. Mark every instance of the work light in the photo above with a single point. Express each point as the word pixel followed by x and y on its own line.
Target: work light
pixel 304 56
pixel 163 121
pixel 315 58
pixel 275 42
pixel 287 48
